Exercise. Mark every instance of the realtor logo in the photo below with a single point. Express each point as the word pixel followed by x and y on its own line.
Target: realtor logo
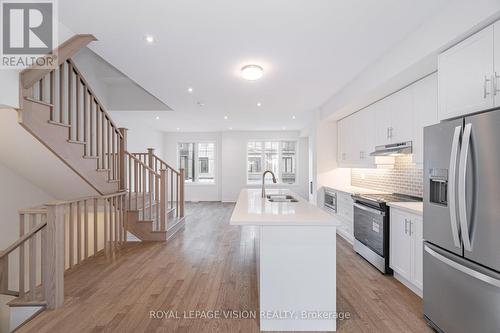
pixel 28 33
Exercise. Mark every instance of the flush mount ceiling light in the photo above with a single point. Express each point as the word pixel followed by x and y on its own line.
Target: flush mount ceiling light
pixel 190 90
pixel 225 117
pixel 150 39
pixel 293 117
pixel 157 117
pixel 252 72
pixel 259 104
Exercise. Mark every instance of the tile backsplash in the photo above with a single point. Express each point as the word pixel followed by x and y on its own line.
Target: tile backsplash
pixel 406 178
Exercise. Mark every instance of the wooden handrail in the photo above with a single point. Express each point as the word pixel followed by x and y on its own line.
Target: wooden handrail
pixel 66 50
pixel 108 196
pixel 142 164
pixel 34 210
pixel 23 239
pixel 159 159
pixel 168 166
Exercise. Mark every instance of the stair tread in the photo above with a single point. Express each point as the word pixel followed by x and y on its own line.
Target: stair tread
pixel 77 142
pixel 91 157
pixel 53 122
pixel 38 101
pixel 23 302
pixel 103 170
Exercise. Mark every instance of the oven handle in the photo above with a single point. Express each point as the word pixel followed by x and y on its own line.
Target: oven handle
pixel 368 209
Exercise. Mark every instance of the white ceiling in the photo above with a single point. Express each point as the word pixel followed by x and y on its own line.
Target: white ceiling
pixel 309 50
pixel 114 89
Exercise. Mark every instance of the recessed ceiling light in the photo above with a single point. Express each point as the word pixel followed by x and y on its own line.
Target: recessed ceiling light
pixel 178 129
pixel 157 117
pixel 230 128
pixel 226 117
pixel 283 128
pixel 293 117
pixel 252 72
pixel 150 39
pixel 190 90
pixel 259 104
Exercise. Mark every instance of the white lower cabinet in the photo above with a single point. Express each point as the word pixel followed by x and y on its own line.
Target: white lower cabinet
pixel 406 245
pixel 344 214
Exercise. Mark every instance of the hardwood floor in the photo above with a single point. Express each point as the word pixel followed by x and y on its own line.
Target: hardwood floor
pixel 210 266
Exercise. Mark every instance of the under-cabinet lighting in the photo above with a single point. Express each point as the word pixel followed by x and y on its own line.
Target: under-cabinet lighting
pixel 385 162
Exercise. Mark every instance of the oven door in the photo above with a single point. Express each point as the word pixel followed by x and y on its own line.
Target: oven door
pixel 369 227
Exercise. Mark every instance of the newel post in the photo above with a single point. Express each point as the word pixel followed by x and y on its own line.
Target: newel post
pixel 53 254
pixel 181 192
pixel 151 152
pixel 123 159
pixel 163 197
pixel 4 274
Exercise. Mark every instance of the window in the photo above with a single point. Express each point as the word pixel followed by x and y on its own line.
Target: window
pixel 277 156
pixel 198 161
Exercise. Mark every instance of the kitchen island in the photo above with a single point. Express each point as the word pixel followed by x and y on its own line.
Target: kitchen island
pixel 296 260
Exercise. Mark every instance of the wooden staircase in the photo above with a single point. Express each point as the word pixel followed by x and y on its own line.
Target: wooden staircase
pixel 62 111
pixel 155 198
pixel 138 193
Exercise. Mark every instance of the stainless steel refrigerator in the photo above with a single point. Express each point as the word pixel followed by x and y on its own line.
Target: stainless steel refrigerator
pixel 461 283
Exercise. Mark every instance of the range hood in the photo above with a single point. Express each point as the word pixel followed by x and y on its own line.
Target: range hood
pixel 393 149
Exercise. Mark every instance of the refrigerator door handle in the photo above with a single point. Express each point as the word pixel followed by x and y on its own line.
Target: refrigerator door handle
pixel 462 177
pixel 452 186
pixel 466 270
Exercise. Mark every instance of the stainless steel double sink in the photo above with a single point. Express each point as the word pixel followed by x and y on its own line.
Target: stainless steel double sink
pixel 281 198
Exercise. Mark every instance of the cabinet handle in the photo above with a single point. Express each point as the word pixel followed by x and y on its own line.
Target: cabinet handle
pixel 387 133
pixel 390 132
pixel 494 79
pixel 485 84
pixel 406 226
pixel 410 223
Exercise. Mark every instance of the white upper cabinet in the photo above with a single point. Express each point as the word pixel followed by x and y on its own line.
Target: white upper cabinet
pixel 401 106
pixel 369 135
pixel 425 112
pixel 393 119
pixel 465 75
pixel 397 118
pixel 382 122
pixel 496 74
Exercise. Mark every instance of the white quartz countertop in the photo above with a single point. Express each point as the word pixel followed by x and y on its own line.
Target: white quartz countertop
pixel 412 207
pixel 252 209
pixel 353 189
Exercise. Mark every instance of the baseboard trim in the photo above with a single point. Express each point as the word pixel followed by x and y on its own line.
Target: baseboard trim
pixel 408 284
pixel 173 230
pixel 342 233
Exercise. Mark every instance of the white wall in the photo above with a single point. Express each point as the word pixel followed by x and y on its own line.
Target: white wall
pixel 231 162
pixel 15 193
pixel 9 88
pixel 324 171
pixel 139 137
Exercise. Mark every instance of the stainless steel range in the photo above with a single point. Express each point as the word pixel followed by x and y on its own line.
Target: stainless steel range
pixel 371 227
